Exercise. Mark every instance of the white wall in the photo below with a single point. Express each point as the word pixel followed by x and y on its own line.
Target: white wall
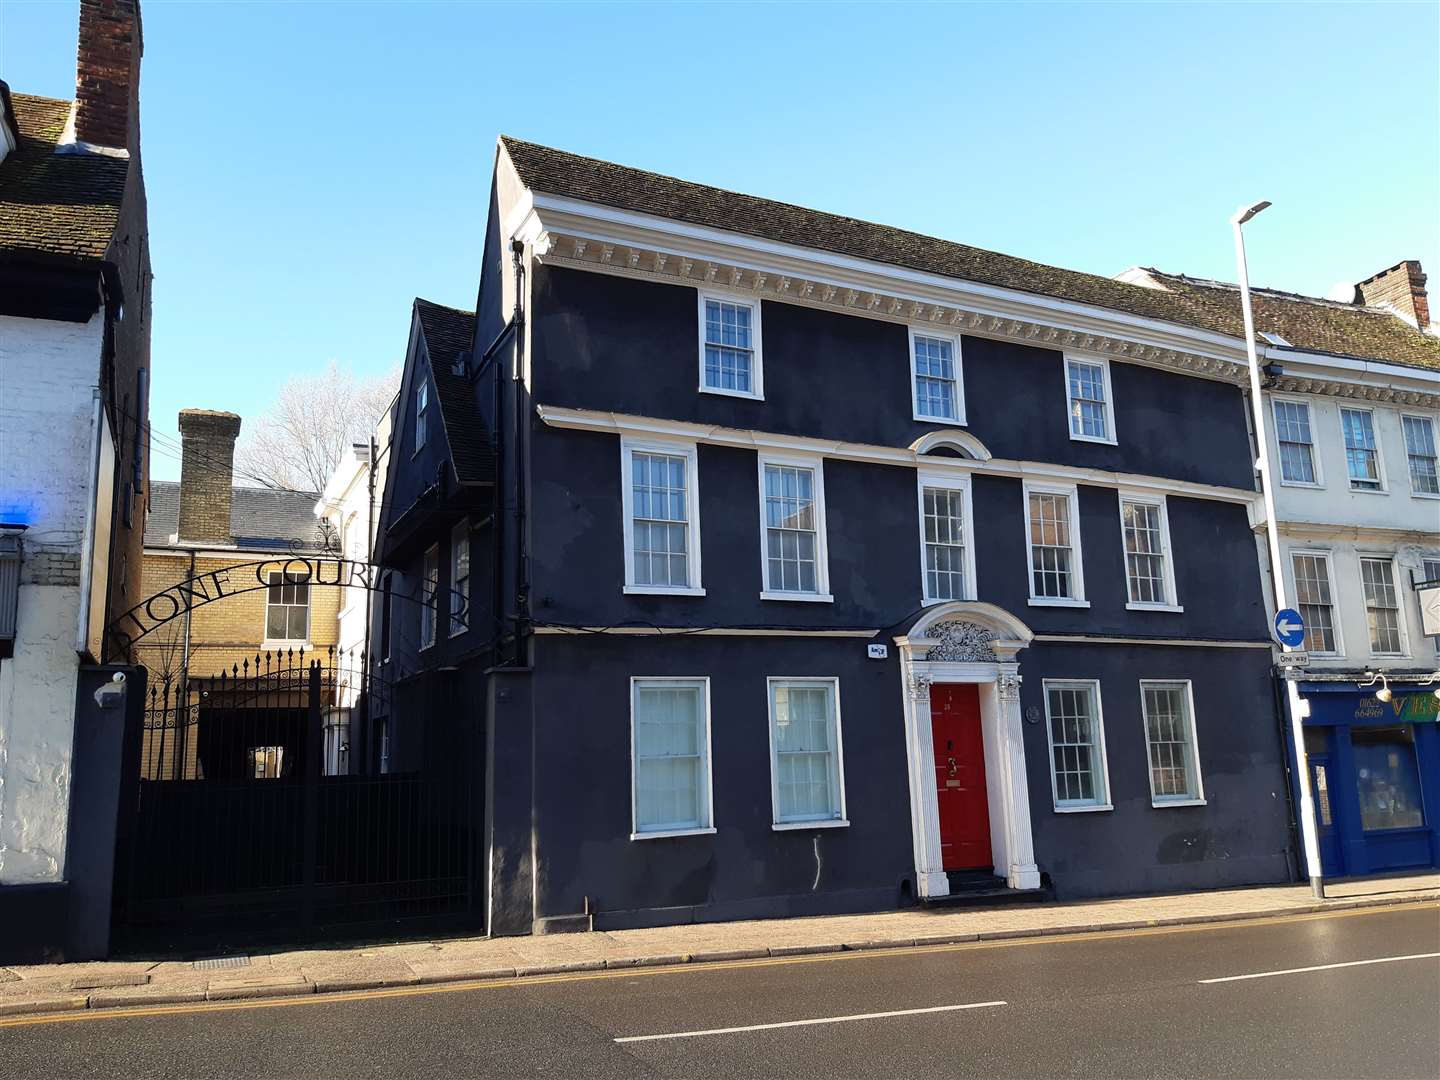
pixel 48 371
pixel 1348 524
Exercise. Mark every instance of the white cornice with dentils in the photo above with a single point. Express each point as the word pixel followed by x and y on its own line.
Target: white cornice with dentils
pixel 911 457
pixel 590 236
pixel 572 232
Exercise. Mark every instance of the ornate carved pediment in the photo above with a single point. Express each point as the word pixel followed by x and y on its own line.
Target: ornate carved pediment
pixel 963 642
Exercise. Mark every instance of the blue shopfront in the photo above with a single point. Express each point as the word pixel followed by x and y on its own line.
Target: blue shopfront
pixel 1375 773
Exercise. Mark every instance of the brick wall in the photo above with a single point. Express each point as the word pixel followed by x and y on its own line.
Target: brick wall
pixel 1401 289
pixel 226 632
pixel 207 441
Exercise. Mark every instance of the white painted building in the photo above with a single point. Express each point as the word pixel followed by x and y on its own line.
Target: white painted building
pixel 74 359
pixel 350 503
pixel 51 431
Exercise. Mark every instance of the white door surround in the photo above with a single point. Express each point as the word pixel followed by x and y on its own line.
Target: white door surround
pixel 969 642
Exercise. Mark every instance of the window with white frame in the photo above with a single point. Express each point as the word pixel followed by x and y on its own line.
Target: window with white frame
pixel 1053 536
pixel 1297 447
pixel 936 377
pixel 287 607
pixel 807 775
pixel 1078 776
pixel 460 578
pixel 1316 600
pixel 1420 453
pixel 1145 530
pixel 730 346
pixel 429 596
pixel 1170 737
pixel 1362 456
pixel 1430 571
pixel 422 408
pixel 792 510
pixel 662 517
pixel 1382 605
pixel 947 558
pixel 1092 417
pixel 670 724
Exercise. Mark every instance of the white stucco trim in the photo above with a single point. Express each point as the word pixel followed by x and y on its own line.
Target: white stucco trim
pixel 766 442
pixel 1011 840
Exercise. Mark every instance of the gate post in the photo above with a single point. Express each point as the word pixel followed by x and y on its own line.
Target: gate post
pixel 313 762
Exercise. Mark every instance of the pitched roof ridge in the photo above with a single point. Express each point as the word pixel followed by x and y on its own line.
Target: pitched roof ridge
pixel 866 222
pixel 443 307
pixel 1281 294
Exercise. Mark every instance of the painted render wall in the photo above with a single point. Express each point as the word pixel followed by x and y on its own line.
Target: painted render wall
pixel 48 371
pixel 874 543
pixel 1348 524
pixel 626 346
pixel 582 777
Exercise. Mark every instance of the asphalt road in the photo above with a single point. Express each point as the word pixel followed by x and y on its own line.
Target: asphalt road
pixel 1113 1005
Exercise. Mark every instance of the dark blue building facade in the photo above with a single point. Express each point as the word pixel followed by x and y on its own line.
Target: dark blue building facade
pixel 775 607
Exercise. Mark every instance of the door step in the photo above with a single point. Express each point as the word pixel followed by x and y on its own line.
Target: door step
pixel 976 888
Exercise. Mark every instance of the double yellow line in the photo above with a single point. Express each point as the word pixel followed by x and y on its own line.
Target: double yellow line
pixel 513 983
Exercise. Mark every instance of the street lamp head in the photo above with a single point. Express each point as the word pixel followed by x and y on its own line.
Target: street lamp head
pixel 1245 213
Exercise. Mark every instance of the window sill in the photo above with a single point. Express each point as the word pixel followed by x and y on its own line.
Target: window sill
pixel 931 601
pixel 273 646
pixel 803 597
pixel 1134 606
pixel 662 834
pixel 1425 495
pixel 1367 491
pixel 1084 809
pixel 1390 656
pixel 656 590
pixel 819 823
pixel 952 421
pixel 1312 485
pixel 1093 439
pixel 1057 601
pixel 732 393
pixel 1162 804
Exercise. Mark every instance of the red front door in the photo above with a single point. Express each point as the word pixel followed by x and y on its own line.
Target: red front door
pixel 960 776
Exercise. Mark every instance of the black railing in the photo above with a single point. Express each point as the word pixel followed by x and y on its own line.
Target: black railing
pixel 290 797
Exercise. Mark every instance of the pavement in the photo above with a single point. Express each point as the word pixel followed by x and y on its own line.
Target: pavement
pixel 1350 993
pixel 138 983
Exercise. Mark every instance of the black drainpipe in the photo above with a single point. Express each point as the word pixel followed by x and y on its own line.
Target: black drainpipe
pixel 1282 709
pixel 520 418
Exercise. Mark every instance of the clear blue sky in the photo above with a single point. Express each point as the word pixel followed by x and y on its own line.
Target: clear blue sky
pixel 314 166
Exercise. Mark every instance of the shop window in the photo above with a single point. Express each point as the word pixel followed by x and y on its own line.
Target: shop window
pixel 1387 778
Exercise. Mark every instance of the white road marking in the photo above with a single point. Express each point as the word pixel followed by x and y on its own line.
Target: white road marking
pixel 1324 967
pixel 808 1023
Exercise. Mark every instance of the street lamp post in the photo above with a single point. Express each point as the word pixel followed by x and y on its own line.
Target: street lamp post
pixel 1308 832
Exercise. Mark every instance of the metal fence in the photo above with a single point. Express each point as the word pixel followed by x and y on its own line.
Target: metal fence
pixel 300 795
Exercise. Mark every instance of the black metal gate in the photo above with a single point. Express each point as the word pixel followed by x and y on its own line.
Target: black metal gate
pixel 297 797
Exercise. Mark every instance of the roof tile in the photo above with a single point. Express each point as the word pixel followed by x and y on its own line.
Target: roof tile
pixel 1349 330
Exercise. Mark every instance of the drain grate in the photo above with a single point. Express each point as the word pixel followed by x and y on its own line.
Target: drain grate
pixel 215 962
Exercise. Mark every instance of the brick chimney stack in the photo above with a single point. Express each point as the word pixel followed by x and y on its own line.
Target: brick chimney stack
pixel 1400 289
pixel 207 454
pixel 107 72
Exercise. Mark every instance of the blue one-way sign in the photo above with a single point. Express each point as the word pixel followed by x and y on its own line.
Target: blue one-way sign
pixel 1289 627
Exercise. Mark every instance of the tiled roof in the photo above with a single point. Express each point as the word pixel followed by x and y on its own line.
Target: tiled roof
pixel 261 519
pixel 56 205
pixel 1356 333
pixel 449 332
pixel 1307 322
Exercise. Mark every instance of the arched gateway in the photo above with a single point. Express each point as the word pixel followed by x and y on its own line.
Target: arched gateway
pixel 969 798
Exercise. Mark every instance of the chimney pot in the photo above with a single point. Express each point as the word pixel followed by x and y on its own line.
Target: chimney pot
pixel 207 456
pixel 1400 289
